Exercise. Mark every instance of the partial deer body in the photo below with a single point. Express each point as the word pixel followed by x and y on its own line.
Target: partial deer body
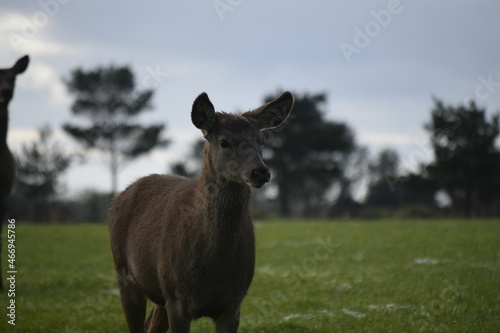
pixel 7 163
pixel 188 244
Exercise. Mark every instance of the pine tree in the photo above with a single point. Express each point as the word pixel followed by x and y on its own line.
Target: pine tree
pixel 111 103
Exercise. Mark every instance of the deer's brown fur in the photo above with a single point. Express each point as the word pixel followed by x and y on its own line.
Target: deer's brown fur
pixel 188 244
pixel 7 162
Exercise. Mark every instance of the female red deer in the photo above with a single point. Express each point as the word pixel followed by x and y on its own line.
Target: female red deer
pixel 188 244
pixel 7 162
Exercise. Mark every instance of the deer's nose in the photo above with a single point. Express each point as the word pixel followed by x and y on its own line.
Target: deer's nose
pixel 261 175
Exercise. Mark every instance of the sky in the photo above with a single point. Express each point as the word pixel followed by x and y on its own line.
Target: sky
pixel 380 63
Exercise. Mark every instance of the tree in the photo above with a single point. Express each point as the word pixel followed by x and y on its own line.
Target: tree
pixel 416 189
pixel 353 170
pixel 412 193
pixel 466 161
pixel 89 206
pixel 191 166
pixel 108 98
pixel 307 154
pixel 383 172
pixel 40 166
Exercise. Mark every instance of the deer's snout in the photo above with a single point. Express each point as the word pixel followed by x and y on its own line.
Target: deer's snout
pixel 259 176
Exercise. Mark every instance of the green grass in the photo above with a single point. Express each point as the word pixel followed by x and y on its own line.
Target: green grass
pixel 378 276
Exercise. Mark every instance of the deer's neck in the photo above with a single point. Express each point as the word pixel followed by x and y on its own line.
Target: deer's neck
pixel 225 207
pixel 4 126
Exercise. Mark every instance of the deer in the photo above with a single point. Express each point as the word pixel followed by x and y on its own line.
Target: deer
pixel 7 162
pixel 188 245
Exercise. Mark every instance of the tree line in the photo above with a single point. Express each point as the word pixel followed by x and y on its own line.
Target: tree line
pixel 318 166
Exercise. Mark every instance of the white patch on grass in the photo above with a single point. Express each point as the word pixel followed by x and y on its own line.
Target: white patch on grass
pixel 267 270
pixel 291 243
pixel 110 277
pixel 113 291
pixel 389 306
pixel 354 314
pixel 308 316
pixel 488 266
pixel 344 286
pixel 425 261
pixel 327 313
pixel 298 315
pixel 359 256
pixel 430 261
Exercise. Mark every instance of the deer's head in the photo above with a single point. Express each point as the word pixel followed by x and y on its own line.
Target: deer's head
pixel 8 79
pixel 234 142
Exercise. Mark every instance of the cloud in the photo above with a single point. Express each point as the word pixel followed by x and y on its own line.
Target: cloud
pixel 19 136
pixel 383 138
pixel 384 94
pixel 26 35
pixel 45 79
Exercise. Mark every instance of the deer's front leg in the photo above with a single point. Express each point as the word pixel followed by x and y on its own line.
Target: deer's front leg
pixel 178 319
pixel 229 322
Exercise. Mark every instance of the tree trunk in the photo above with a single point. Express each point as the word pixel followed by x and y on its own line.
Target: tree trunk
pixel 284 199
pixel 113 168
pixel 469 191
pixel 114 177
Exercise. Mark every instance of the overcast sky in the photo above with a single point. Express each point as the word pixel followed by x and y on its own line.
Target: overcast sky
pixel 380 62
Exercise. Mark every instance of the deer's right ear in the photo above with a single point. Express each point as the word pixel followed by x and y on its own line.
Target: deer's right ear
pixel 21 65
pixel 203 113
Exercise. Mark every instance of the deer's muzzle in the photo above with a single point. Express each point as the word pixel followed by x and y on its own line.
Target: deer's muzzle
pixel 259 176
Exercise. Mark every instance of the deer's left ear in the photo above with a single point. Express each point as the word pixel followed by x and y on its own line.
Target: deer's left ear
pixel 274 113
pixel 21 65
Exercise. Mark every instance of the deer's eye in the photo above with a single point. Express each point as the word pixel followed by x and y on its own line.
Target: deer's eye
pixel 224 144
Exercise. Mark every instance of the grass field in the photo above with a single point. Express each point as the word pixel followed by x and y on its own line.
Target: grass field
pixel 377 276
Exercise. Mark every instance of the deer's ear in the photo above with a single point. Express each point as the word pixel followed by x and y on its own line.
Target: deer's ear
pixel 274 113
pixel 21 65
pixel 203 113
